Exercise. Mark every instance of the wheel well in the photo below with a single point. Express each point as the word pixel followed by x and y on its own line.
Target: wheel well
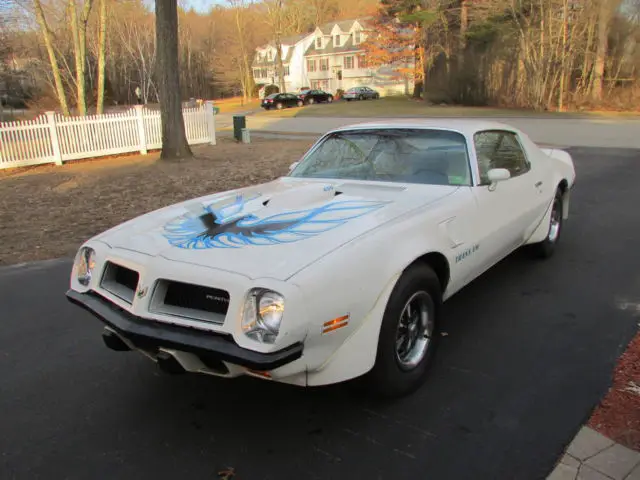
pixel 440 265
pixel 563 186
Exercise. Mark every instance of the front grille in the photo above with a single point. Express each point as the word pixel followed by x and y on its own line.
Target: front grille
pixel 190 301
pixel 120 281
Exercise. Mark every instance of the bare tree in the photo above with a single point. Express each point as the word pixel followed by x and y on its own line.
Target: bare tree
pixel 55 68
pixel 174 139
pixel 275 17
pixel 79 35
pixel 102 52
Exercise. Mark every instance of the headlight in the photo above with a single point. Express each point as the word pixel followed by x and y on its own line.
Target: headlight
pixel 85 263
pixel 262 315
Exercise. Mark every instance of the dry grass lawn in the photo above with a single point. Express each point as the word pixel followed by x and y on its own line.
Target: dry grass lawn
pixel 47 212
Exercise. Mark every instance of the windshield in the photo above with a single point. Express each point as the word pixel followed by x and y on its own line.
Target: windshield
pixel 434 157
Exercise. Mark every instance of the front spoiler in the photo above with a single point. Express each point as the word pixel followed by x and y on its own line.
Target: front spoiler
pixel 148 334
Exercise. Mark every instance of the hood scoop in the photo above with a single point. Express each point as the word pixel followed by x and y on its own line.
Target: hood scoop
pixel 302 196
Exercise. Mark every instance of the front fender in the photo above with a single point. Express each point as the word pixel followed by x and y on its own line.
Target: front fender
pixel 357 280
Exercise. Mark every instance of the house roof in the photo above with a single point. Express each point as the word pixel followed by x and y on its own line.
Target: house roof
pixel 344 25
pixel 257 62
pixel 330 48
pixel 347 46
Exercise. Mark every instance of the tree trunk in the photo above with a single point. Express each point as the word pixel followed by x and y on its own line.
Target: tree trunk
pixel 565 54
pixel 174 140
pixel 57 78
pixel 79 35
pixel 462 39
pixel 102 50
pixel 601 51
pixel 279 65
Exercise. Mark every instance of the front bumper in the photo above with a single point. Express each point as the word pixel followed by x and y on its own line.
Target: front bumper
pixel 152 335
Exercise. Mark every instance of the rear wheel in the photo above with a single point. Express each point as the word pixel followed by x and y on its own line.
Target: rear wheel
pixel 408 334
pixel 546 248
pixel 310 102
pixel 300 103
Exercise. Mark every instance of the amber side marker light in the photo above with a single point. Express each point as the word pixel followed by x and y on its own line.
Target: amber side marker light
pixel 259 373
pixel 335 324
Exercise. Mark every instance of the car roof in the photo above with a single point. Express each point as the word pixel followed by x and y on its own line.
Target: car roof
pixel 467 126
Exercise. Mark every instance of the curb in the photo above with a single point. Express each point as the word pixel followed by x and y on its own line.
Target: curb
pixel 591 455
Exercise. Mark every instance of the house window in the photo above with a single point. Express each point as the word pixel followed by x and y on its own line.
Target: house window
pixel 348 63
pixel 270 56
pixel 336 40
pixel 286 71
pixel 311 65
pixel 362 61
pixel 356 37
pixel 319 42
pixel 324 64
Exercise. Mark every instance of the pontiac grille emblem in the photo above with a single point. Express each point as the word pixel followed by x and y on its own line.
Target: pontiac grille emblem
pixel 215 298
pixel 141 292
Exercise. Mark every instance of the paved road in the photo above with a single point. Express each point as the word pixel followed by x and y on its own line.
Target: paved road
pixel 529 350
pixel 601 132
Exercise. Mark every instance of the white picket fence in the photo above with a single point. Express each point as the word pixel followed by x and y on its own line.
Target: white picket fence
pixel 52 138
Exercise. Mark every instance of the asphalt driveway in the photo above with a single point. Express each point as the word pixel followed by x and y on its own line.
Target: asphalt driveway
pixel 529 351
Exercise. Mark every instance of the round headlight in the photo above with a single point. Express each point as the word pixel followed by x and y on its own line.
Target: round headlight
pixel 262 315
pixel 85 265
pixel 270 310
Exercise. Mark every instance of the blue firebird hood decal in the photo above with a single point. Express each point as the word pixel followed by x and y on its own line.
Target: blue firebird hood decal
pixel 228 227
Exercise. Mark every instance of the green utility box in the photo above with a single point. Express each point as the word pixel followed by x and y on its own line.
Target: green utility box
pixel 239 122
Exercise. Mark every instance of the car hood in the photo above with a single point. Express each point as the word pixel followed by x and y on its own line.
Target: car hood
pixel 270 230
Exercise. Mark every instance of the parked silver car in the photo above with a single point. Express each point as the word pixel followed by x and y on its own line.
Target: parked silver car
pixel 360 93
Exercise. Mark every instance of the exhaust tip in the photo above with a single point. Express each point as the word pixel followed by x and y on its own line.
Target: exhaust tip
pixel 168 363
pixel 113 341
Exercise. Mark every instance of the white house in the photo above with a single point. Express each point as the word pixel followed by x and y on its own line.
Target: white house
pixel 293 49
pixel 331 57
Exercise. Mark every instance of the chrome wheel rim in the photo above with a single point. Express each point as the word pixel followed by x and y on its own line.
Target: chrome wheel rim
pixel 414 331
pixel 556 218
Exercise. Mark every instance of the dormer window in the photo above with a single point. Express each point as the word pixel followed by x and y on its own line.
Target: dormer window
pixel 270 55
pixel 319 42
pixel 356 37
pixel 336 40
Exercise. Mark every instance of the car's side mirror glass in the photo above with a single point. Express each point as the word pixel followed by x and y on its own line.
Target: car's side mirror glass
pixel 496 175
pixel 292 166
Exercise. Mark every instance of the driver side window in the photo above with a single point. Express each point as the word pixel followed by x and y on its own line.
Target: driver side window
pixel 499 149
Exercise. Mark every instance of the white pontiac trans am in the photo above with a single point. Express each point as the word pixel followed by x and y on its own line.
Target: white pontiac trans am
pixel 338 269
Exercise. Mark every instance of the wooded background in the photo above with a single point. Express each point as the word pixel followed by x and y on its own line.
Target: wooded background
pixel 541 54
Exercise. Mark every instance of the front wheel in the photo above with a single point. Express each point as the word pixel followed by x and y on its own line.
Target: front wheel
pixel 546 248
pixel 300 103
pixel 329 99
pixel 408 334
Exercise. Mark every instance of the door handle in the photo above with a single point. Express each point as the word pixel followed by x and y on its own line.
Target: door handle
pixel 538 184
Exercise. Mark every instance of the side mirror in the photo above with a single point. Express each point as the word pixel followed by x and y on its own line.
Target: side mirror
pixel 496 175
pixel 292 166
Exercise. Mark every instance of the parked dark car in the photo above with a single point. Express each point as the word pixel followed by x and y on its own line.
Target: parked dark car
pixel 360 93
pixel 281 100
pixel 315 96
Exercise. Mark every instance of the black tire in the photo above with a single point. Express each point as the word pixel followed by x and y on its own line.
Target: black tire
pixel 547 247
pixel 388 378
